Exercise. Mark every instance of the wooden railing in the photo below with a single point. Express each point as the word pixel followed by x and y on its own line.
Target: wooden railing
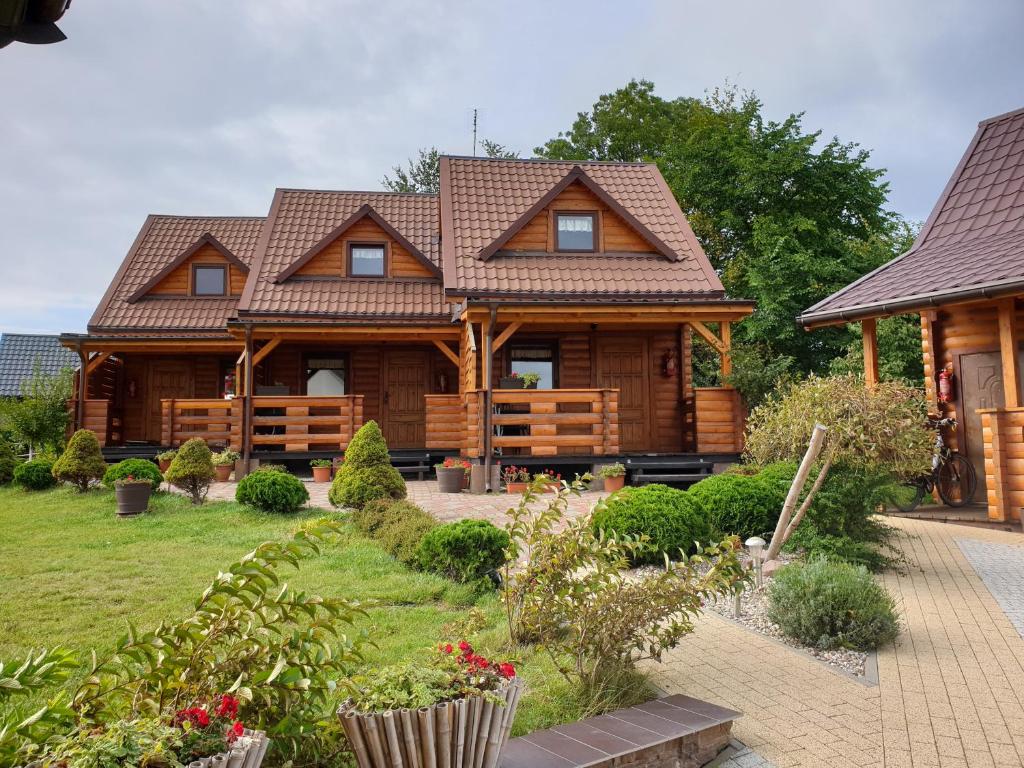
pixel 446 422
pixel 97 418
pixel 302 423
pixel 720 420
pixel 546 422
pixel 216 421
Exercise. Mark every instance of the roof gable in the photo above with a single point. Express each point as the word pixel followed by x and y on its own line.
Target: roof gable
pixel 205 241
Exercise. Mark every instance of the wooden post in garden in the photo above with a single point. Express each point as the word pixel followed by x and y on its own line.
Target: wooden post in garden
pixel 869 329
pixel 813 451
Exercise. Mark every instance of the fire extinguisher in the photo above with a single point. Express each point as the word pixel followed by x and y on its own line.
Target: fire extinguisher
pixel 945 385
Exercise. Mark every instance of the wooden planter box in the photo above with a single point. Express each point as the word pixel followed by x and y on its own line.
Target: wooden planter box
pixel 468 733
pixel 450 479
pixel 132 498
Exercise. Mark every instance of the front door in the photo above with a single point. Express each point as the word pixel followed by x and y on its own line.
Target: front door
pixel 981 386
pixel 405 385
pixel 167 379
pixel 622 365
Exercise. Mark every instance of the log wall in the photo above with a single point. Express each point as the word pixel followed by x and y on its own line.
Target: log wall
pixel 720 420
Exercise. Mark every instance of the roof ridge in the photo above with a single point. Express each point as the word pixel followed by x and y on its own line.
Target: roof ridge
pixel 634 163
pixel 190 216
pixel 1003 116
pixel 358 192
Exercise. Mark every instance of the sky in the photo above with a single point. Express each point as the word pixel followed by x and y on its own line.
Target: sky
pixel 203 108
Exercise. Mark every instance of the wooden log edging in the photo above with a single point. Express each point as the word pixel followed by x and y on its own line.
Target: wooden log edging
pixel 468 733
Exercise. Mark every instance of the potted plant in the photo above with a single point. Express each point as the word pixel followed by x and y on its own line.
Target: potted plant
pixel 164 459
pixel 530 380
pixel 512 381
pixel 614 476
pixel 224 463
pixel 321 470
pixel 132 495
pixel 212 735
pixel 452 474
pixel 455 711
pixel 517 479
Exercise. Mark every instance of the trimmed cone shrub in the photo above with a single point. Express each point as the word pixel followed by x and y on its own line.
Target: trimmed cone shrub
pixel 82 463
pixel 35 475
pixel 140 469
pixel 275 492
pixel 738 504
pixel 466 551
pixel 366 473
pixel 668 516
pixel 832 605
pixel 8 461
pixel 192 470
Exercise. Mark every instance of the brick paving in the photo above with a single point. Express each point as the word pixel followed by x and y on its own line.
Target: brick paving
pixel 950 691
pixel 1001 567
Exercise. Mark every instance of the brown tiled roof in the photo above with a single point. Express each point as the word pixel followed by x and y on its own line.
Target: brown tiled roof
pixel 162 240
pixel 483 198
pixel 973 242
pixel 300 219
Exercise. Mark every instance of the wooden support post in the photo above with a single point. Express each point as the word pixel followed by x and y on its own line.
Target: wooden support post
pixel 247 394
pixel 488 382
pixel 97 361
pixel 726 351
pixel 1009 344
pixel 265 350
pixel 83 388
pixel 869 332
pixel 505 335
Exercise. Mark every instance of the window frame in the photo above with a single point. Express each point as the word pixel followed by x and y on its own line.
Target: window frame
pixel 595 219
pixel 225 291
pixel 552 344
pixel 385 264
pixel 312 354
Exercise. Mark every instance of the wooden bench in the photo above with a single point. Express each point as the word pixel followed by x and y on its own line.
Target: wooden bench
pixel 677 731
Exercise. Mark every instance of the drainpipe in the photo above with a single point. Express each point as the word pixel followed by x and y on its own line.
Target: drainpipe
pixel 83 387
pixel 247 394
pixel 488 395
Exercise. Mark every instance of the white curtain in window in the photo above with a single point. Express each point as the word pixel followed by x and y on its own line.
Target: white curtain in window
pixel 575 223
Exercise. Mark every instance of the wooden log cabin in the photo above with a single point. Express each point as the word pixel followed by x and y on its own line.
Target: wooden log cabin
pixel 281 335
pixel 964 275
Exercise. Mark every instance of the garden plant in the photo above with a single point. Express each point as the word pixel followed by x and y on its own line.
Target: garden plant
pixel 35 475
pixel 82 463
pixel 367 473
pixel 274 492
pixel 467 551
pixel 192 470
pixel 140 469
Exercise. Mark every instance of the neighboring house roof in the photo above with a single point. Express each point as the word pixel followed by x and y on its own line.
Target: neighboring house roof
pixel 484 201
pixel 302 221
pixel 19 353
pixel 971 246
pixel 163 243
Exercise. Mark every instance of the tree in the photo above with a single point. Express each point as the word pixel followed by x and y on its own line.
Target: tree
pixel 784 218
pixel 82 463
pixel 38 420
pixel 424 173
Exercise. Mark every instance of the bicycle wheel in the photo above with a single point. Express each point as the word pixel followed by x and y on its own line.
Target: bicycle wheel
pixel 957 481
pixel 907 496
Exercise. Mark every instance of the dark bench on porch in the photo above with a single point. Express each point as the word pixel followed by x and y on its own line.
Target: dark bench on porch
pixel 677 731
pixel 673 470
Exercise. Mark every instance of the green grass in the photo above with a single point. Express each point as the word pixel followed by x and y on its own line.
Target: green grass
pixel 72 574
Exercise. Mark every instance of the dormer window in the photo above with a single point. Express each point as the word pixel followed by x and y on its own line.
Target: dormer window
pixel 575 231
pixel 366 260
pixel 209 280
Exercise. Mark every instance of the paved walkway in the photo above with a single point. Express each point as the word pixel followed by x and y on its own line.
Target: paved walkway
pixel 950 692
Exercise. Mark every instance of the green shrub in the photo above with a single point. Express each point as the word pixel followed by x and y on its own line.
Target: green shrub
pixel 738 504
pixel 8 461
pixel 271 468
pixel 366 474
pixel 274 492
pixel 400 528
pixel 465 551
pixel 35 475
pixel 832 605
pixel 140 469
pixel 192 470
pixel 82 463
pixel 374 514
pixel 667 516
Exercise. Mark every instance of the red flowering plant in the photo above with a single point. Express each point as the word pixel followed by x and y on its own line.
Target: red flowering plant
pixel 549 476
pixel 451 462
pixel 209 729
pixel 514 474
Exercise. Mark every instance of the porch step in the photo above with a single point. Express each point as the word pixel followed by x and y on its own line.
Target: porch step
pixel 642 478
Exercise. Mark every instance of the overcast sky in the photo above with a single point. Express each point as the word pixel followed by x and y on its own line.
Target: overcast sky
pixel 204 106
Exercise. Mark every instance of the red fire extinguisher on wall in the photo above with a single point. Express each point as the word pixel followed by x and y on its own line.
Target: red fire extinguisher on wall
pixel 946 385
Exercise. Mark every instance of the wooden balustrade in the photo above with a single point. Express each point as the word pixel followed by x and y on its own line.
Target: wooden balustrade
pixel 446 422
pixel 301 423
pixel 215 421
pixel 720 419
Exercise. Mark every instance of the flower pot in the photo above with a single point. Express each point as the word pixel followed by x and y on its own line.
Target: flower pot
pixel 510 382
pixel 321 474
pixel 132 498
pixel 612 484
pixel 164 464
pixel 223 472
pixel 516 487
pixel 449 479
pixel 452 734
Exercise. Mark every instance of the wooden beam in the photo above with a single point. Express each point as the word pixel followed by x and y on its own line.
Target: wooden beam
pixel 726 349
pixel 241 358
pixel 506 335
pixel 870 334
pixel 97 361
pixel 1009 344
pixel 447 352
pixel 471 337
pixel 708 336
pixel 265 350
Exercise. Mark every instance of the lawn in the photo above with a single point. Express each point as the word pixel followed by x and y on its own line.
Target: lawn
pixel 72 574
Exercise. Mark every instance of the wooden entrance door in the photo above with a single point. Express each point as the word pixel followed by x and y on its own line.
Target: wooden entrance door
pixel 406 377
pixel 623 364
pixel 167 379
pixel 981 386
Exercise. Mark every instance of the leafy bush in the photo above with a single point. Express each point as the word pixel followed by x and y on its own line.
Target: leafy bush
pixel 38 420
pixel 738 504
pixel 24 679
pixel 832 605
pixel 140 469
pixel 142 741
pixel 274 492
pixel 35 475
pixel 402 529
pixel 366 474
pixel 227 457
pixel 668 517
pixel 82 463
pixel 8 461
pixel 373 515
pixel 465 551
pixel 192 469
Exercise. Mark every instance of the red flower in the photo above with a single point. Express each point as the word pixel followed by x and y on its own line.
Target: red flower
pixel 447 648
pixel 506 670
pixel 465 647
pixel 234 731
pixel 197 716
pixel 228 707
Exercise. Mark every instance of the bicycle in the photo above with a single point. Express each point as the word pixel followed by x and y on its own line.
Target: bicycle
pixel 952 474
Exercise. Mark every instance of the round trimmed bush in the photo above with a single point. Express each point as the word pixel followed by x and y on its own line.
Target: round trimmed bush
pixel 8 462
pixel 35 475
pixel 466 551
pixel 192 469
pixel 366 474
pixel 275 492
pixel 738 504
pixel 669 517
pixel 140 469
pixel 832 605
pixel 82 463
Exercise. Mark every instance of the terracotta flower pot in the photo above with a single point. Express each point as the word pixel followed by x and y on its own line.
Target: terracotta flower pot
pixel 321 474
pixel 612 484
pixel 449 479
pixel 132 498
pixel 516 487
pixel 223 472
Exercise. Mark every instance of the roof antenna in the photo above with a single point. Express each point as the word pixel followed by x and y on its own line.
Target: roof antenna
pixel 474 132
